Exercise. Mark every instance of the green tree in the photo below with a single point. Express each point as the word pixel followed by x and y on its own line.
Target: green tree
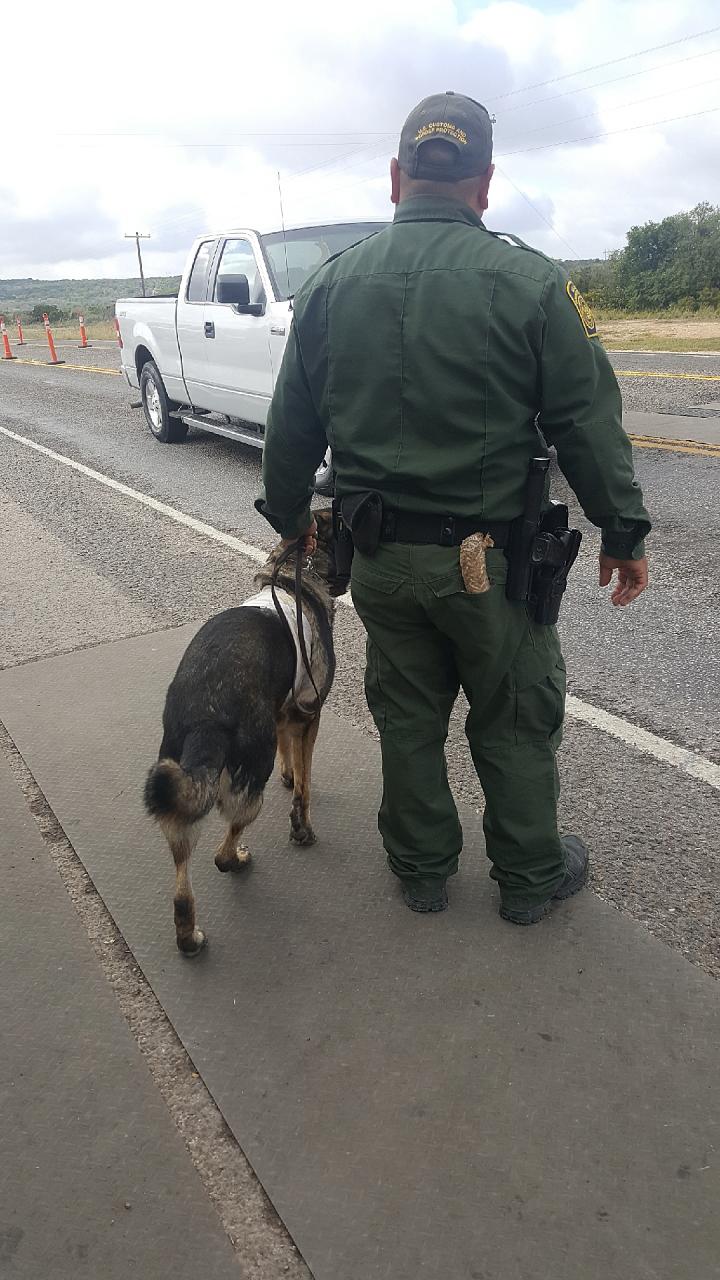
pixel 54 314
pixel 673 262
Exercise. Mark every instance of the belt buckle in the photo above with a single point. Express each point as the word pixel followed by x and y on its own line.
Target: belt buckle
pixel 447 531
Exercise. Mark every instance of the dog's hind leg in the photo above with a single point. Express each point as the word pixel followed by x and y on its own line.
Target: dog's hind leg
pixel 240 809
pixel 182 839
pixel 303 743
pixel 285 752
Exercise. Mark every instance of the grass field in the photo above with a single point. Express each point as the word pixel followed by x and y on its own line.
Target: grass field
pixel 622 332
pixel 658 333
pixel 64 332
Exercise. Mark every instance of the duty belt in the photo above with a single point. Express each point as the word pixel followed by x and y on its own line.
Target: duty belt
pixel 440 531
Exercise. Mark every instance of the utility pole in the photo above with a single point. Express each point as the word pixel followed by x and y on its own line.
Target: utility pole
pixel 137 236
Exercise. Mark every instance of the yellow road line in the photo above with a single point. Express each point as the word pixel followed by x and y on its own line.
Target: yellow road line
pixel 75 368
pixel 697 447
pixel 659 373
pixel 621 373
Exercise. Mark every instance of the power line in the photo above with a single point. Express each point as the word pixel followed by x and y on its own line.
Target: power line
pixel 597 84
pixel 669 44
pixel 549 146
pixel 355 151
pixel 190 217
pixel 538 211
pixel 621 106
pixel 210 146
pixel 501 155
pixel 568 142
pixel 280 133
pixel 377 134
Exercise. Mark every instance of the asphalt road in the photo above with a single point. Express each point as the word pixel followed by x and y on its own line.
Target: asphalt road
pixel 669 383
pixel 86 565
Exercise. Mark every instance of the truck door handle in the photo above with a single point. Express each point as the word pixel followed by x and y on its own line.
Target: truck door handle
pixel 209 329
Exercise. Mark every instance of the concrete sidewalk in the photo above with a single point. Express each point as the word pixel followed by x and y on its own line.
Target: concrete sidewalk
pixel 95 1180
pixel 442 1097
pixel 672 426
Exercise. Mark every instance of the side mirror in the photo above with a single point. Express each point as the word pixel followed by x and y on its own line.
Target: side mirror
pixel 234 291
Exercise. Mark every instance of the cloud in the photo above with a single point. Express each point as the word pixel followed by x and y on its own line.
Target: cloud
pixel 319 91
pixel 74 228
pixel 77 232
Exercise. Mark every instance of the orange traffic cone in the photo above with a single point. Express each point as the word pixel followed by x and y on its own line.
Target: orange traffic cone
pixel 21 341
pixel 53 353
pixel 119 335
pixel 7 353
pixel 83 335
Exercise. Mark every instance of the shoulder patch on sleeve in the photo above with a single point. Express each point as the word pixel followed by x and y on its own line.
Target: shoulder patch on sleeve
pixel 583 309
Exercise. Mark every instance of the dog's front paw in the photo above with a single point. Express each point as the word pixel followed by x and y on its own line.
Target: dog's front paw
pixel 287 780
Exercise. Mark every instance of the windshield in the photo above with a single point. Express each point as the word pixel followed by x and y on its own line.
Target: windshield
pixel 294 255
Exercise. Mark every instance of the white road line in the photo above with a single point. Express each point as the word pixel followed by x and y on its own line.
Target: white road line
pixel 208 530
pixel 649 744
pixel 689 762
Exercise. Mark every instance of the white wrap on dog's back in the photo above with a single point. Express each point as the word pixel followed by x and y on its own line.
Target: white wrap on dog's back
pixel 302 688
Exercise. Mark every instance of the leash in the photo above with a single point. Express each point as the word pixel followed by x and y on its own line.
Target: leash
pixel 295 547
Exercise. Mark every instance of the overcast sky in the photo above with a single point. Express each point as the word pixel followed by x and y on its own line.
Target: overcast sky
pixel 175 119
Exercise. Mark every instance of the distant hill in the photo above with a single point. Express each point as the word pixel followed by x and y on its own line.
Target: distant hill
pixel 668 265
pixel 95 298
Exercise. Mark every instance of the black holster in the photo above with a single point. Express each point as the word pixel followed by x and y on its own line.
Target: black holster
pixel 362 513
pixel 357 523
pixel 541 551
pixel 554 552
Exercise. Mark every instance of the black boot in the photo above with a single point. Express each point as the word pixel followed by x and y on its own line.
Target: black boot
pixel 577 863
pixel 425 895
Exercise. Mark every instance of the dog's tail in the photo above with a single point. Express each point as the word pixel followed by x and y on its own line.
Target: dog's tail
pixel 187 789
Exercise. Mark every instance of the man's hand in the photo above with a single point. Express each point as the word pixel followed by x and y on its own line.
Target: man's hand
pixel 632 577
pixel 308 539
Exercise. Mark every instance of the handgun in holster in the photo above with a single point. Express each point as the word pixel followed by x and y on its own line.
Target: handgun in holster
pixel 541 550
pixel 357 523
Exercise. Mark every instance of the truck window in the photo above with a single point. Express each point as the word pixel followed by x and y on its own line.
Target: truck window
pixel 238 259
pixel 197 284
pixel 293 256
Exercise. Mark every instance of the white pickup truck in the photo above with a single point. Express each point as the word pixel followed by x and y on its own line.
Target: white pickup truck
pixel 209 357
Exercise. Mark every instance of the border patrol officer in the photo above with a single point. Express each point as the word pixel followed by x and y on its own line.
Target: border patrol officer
pixel 424 356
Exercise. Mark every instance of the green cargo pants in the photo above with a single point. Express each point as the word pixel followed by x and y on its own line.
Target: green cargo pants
pixel 426 638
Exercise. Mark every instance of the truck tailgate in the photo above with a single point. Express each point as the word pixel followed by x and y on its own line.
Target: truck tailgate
pixel 149 331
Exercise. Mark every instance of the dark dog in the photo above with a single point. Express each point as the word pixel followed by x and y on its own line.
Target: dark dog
pixel 239 694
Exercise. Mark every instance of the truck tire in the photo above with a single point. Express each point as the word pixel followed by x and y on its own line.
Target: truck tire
pixel 156 407
pixel 325 477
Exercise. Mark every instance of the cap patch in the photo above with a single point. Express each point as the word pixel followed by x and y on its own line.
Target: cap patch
pixel 583 309
pixel 435 127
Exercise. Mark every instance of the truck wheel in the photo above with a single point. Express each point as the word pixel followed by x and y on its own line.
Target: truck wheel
pixel 156 407
pixel 325 477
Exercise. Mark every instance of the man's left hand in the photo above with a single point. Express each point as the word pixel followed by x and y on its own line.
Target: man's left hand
pixel 307 539
pixel 632 577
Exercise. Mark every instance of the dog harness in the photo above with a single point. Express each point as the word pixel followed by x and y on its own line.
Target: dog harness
pixel 302 690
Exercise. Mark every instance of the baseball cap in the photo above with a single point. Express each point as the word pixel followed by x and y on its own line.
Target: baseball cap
pixel 447 117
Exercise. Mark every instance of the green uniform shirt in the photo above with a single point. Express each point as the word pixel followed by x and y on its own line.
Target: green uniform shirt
pixel 423 356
